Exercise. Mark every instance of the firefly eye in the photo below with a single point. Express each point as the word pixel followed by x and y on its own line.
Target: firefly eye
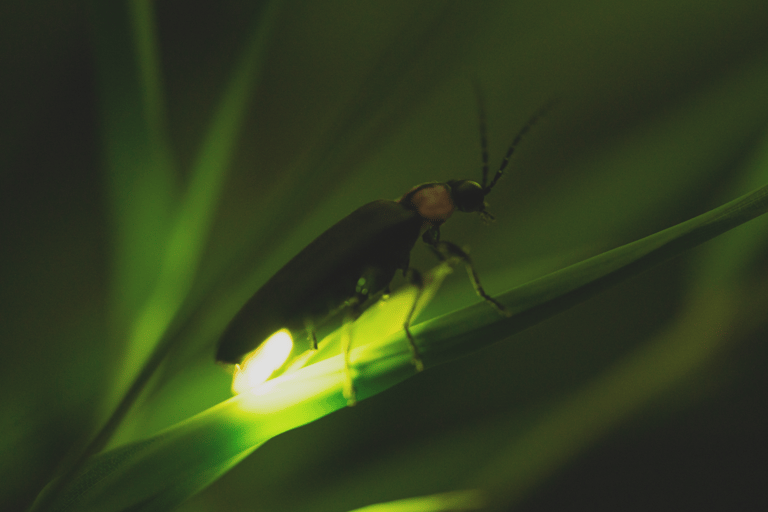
pixel 468 196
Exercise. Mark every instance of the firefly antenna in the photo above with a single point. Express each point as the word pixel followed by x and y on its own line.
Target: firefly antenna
pixel 518 138
pixel 483 133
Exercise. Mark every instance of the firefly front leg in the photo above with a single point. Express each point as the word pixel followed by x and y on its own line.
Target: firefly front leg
pixel 447 250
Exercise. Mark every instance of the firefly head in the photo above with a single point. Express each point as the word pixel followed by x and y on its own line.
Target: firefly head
pixel 468 196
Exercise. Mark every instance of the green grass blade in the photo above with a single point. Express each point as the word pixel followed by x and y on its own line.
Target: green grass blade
pixel 739 251
pixel 469 329
pixel 160 238
pixel 155 473
pixel 455 501
pixel 191 225
pixel 138 162
pixel 137 154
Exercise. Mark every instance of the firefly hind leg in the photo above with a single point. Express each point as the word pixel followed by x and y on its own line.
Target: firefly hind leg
pixel 446 250
pixel 351 314
pixel 352 311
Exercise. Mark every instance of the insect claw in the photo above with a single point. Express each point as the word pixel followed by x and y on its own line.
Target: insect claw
pixel 498 306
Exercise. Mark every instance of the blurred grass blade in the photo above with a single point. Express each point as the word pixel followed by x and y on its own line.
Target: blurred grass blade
pixel 732 260
pixel 456 501
pixel 137 152
pixel 647 375
pixel 188 456
pixel 196 210
pixel 190 229
pixel 160 238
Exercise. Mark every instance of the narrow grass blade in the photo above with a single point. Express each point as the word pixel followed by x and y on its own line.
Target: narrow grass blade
pixel 188 456
pixel 472 328
pixel 161 237
pixel 137 154
pixel 196 209
pixel 456 501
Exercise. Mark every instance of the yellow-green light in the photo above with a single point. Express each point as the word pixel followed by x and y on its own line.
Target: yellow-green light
pixel 260 364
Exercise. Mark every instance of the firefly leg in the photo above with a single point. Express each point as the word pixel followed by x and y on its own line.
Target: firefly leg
pixel 414 277
pixel 446 250
pixel 368 287
pixel 346 344
pixel 311 333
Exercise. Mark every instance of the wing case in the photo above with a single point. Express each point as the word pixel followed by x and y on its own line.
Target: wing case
pixel 375 240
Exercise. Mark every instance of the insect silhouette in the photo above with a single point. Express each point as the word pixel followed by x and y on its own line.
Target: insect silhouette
pixel 350 265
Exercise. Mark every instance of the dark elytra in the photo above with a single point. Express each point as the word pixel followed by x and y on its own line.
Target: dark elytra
pixel 354 261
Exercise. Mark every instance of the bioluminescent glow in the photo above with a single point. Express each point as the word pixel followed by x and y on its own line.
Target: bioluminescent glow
pixel 260 364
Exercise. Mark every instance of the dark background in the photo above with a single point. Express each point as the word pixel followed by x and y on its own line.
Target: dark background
pixel 661 115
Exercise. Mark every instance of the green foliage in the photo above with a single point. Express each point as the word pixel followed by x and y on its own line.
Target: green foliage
pixel 158 472
pixel 228 136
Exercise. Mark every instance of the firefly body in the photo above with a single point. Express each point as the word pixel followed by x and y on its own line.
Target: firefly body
pixel 355 259
pixel 352 263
